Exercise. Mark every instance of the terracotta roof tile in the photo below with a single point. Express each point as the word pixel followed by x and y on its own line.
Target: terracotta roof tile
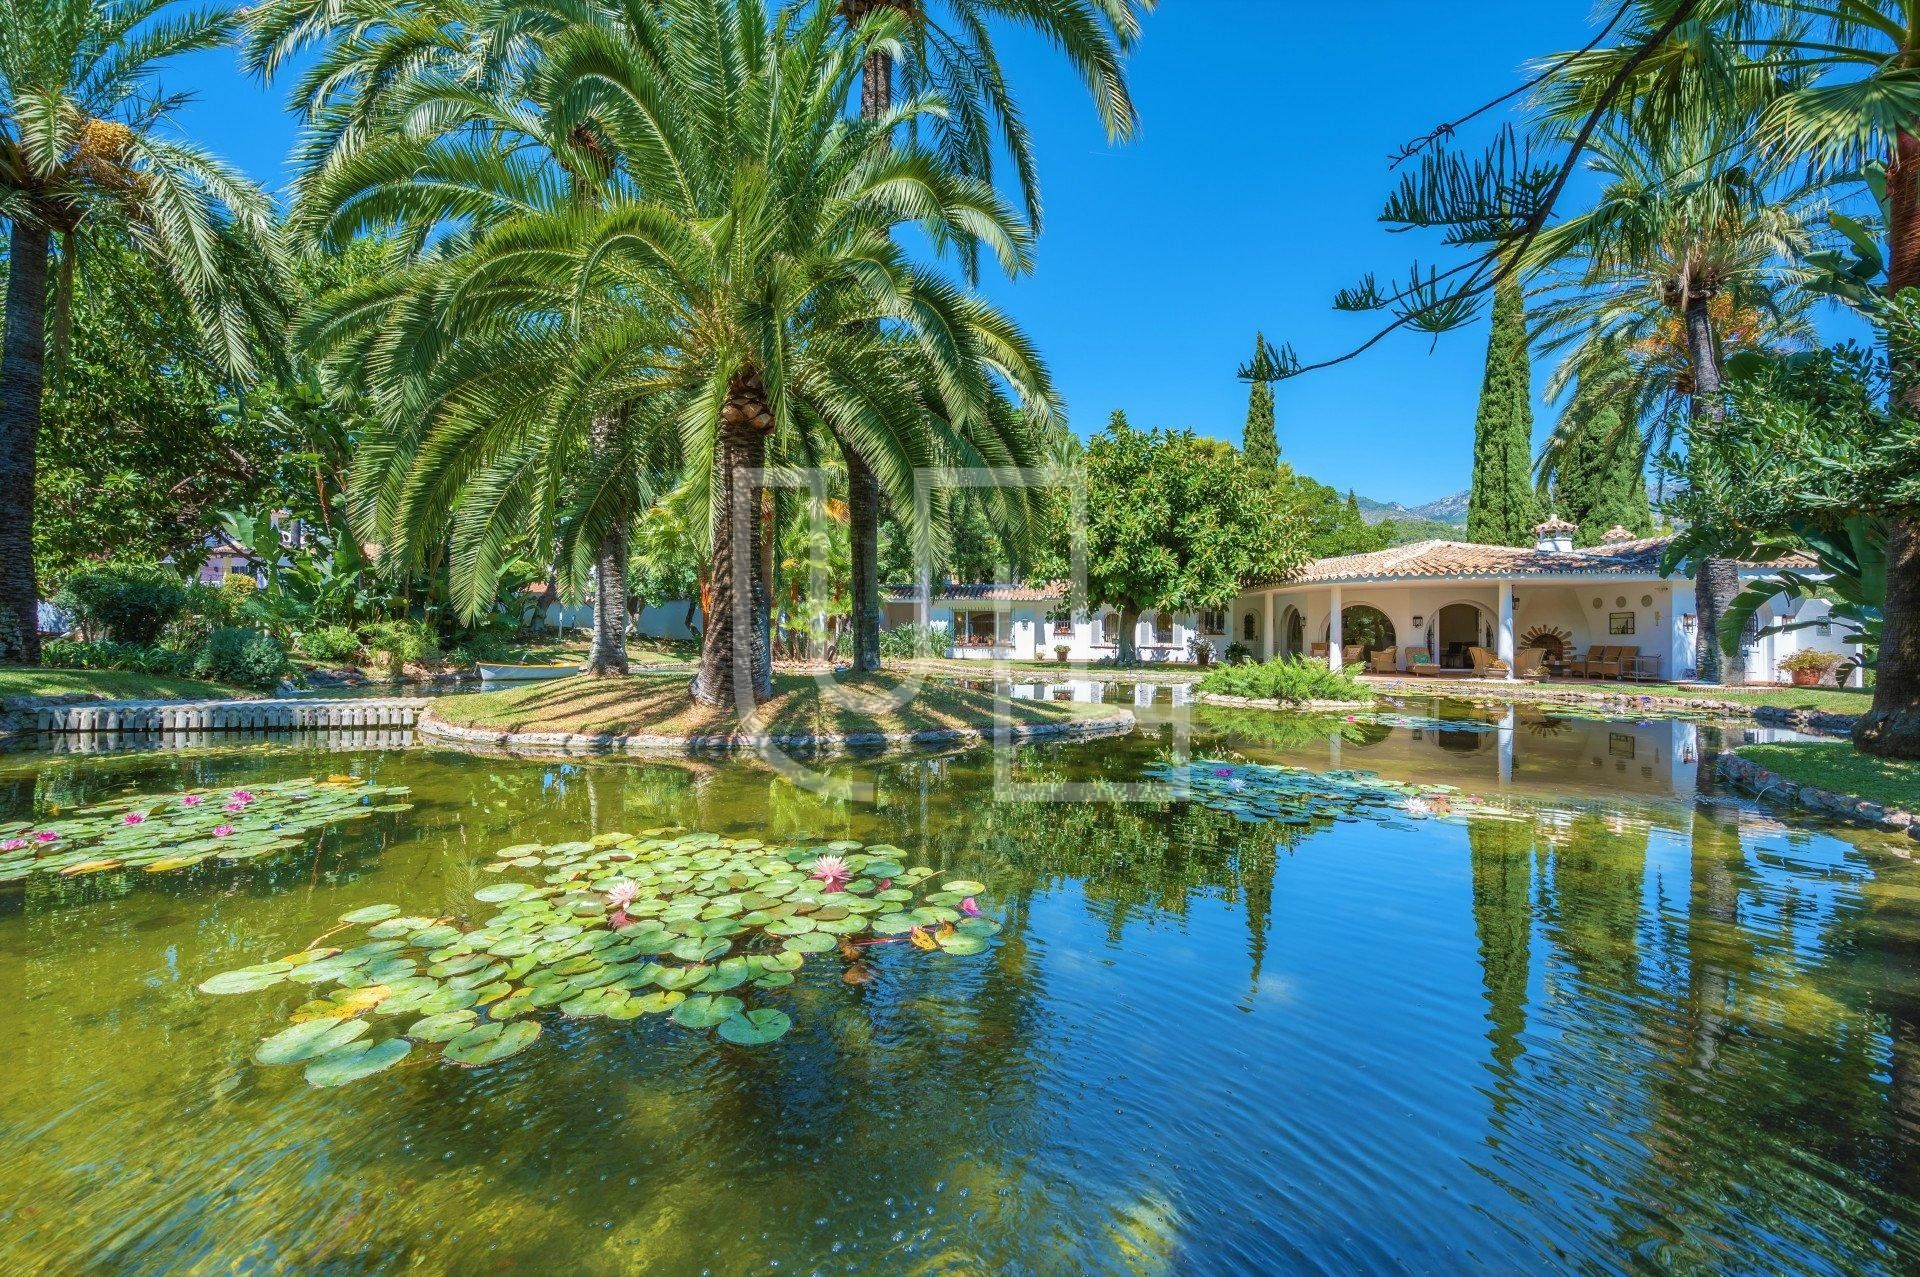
pixel 1046 591
pixel 1441 560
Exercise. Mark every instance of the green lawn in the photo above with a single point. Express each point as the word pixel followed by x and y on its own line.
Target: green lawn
pixel 1839 767
pixel 109 685
pixel 1830 700
pixel 660 705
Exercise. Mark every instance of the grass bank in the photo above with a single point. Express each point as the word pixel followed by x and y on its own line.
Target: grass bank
pixel 1838 767
pixel 659 705
pixel 17 682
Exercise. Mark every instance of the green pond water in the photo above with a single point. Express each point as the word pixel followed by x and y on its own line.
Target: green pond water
pixel 1642 1025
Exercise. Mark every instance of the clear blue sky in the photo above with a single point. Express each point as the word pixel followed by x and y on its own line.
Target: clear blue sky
pixel 1250 198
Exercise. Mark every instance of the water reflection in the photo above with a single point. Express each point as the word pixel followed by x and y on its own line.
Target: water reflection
pixel 1644 1027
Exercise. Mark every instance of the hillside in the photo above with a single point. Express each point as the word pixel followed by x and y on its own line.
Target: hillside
pixel 1448 510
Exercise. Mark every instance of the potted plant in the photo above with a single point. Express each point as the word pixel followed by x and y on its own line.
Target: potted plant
pixel 1061 651
pixel 1810 667
pixel 1202 652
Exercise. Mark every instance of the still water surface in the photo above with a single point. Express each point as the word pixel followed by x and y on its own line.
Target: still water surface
pixel 1649 1027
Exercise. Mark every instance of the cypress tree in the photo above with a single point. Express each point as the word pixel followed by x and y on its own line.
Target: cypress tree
pixel 1600 480
pixel 1258 442
pixel 1502 508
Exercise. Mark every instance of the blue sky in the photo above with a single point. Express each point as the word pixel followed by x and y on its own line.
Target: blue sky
pixel 1250 198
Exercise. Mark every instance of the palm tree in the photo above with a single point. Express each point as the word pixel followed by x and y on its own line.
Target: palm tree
pixel 948 49
pixel 1858 108
pixel 1685 217
pixel 81 145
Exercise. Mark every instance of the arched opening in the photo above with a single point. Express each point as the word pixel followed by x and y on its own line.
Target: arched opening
pixel 1293 632
pixel 1457 627
pixel 1366 627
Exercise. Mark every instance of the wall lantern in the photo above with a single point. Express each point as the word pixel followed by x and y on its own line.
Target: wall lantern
pixel 1418 621
pixel 1686 619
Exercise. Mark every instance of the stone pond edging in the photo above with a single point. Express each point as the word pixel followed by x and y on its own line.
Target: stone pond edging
pixel 1305 707
pixel 1763 782
pixel 1813 722
pixel 25 716
pixel 431 727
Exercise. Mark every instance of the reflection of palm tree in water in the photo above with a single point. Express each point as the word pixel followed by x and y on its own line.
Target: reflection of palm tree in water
pixel 1712 916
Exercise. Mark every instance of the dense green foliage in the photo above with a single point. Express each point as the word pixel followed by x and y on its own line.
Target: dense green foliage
pixel 1502 508
pixel 137 658
pixel 1293 679
pixel 244 657
pixel 1600 481
pixel 330 644
pixel 124 603
pixel 1177 521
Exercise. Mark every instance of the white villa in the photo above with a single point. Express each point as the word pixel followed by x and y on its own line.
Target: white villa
pixel 1422 605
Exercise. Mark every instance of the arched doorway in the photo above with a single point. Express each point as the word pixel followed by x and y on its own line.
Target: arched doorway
pixel 1293 631
pixel 1457 627
pixel 1367 627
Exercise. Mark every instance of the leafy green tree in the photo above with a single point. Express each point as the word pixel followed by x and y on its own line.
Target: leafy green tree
pixel 946 47
pixel 1600 481
pixel 1258 441
pixel 1327 525
pixel 84 139
pixel 1502 508
pixel 1851 113
pixel 1178 521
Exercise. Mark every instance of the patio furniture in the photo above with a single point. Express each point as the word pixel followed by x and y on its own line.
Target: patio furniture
pixel 1383 662
pixel 1353 654
pixel 1606 661
pixel 1644 668
pixel 1420 661
pixel 1318 651
pixel 1529 662
pixel 1486 664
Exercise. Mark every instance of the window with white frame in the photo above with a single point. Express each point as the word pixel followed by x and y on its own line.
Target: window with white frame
pixel 976 629
pixel 1213 622
pixel 1162 627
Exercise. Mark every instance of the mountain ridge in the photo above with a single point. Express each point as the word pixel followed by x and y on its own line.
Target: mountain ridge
pixel 1450 510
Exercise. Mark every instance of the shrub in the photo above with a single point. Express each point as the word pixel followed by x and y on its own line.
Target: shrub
pixel 330 644
pixel 205 611
pixel 245 657
pixel 136 657
pixel 904 642
pixel 400 642
pixel 124 602
pixel 1821 663
pixel 1238 653
pixel 1292 679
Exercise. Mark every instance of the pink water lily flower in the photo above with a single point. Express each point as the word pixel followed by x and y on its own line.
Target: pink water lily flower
pixel 132 818
pixel 242 796
pixel 46 835
pixel 970 907
pixel 192 800
pixel 13 844
pixel 618 919
pixel 831 871
pixel 622 893
pixel 221 831
pixel 235 806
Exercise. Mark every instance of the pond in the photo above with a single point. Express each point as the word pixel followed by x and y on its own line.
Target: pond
pixel 1607 1018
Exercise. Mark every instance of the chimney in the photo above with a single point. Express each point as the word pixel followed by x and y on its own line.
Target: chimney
pixel 1555 534
pixel 1615 535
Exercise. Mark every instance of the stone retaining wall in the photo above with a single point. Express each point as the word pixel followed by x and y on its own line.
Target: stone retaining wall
pixel 1813 722
pixel 430 727
pixel 216 716
pixel 1762 782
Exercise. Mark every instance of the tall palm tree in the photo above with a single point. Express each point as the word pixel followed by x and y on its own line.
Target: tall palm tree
pixel 1859 105
pixel 947 49
pixel 776 301
pixel 1686 216
pixel 81 143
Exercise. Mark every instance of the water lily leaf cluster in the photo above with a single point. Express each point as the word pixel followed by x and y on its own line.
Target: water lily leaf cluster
pixel 162 832
pixel 684 926
pixel 1257 792
pixel 1425 722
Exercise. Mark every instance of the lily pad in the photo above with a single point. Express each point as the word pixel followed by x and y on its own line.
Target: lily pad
pixel 705 1010
pixel 356 1060
pixel 479 1048
pixel 245 980
pixel 370 914
pixel 754 1028
pixel 307 1039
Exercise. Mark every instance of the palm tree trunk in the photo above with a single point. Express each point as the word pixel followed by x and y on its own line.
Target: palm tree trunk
pixel 608 654
pixel 1715 581
pixel 22 384
pixel 863 492
pixel 733 648
pixel 1891 728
